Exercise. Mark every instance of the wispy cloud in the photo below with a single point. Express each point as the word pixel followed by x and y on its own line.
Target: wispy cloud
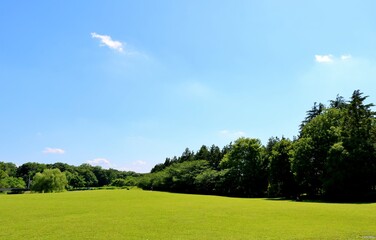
pixel 103 162
pixel 107 41
pixel 324 58
pixel 139 163
pixel 346 57
pixel 48 150
pixel 139 166
pixel 330 58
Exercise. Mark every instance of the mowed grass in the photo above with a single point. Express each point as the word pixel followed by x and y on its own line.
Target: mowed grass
pixel 136 214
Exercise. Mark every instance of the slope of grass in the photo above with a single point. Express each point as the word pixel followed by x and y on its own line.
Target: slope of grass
pixel 136 214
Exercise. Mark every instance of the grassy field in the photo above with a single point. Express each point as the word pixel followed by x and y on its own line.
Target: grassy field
pixel 136 214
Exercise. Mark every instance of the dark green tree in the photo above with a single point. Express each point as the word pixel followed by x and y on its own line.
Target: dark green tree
pixel 244 162
pixel 86 172
pixel 215 157
pixel 75 180
pixel 27 170
pixel 355 155
pixel 281 179
pixel 187 155
pixel 203 153
pixel 207 182
pixel 315 111
pixel 311 150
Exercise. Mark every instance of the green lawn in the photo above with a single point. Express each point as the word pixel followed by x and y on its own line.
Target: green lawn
pixel 136 214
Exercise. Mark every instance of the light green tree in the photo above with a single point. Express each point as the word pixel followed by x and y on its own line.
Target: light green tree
pixel 10 182
pixel 50 180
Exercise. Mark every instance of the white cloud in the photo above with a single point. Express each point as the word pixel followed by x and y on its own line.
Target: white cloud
pixel 48 150
pixel 330 58
pixel 324 58
pixel 107 41
pixel 347 73
pixel 103 162
pixel 345 57
pixel 231 134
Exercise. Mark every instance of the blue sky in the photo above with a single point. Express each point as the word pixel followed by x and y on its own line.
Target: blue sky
pixel 125 84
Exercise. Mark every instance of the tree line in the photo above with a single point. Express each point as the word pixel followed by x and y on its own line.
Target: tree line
pixel 61 176
pixel 333 157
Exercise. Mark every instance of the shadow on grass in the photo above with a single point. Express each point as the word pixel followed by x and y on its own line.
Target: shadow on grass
pixel 321 200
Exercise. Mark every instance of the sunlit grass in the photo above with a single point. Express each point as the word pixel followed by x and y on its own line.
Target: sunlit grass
pixel 136 214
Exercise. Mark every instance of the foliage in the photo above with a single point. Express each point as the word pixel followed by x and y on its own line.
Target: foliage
pixel 246 175
pixel 50 180
pixel 9 168
pixel 333 157
pixel 27 170
pixel 311 150
pixel 335 154
pixel 12 182
pixel 121 182
pixel 179 177
pixel 281 179
pixel 7 176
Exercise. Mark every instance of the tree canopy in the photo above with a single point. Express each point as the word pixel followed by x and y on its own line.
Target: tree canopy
pixel 50 180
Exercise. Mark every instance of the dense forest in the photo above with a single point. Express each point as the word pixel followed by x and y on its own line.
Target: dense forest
pixel 333 157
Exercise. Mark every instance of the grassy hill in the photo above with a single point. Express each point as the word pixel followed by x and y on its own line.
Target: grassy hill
pixel 136 214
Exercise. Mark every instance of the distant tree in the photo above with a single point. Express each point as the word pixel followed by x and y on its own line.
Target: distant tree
pixel 86 172
pixel 246 175
pixel 10 182
pixel 203 153
pixel 312 148
pixel 9 168
pixel 27 170
pixel 207 182
pixel 121 182
pixel 102 176
pixel 281 179
pixel 306 174
pixel 315 111
pixel 75 180
pixel 145 181
pixel 63 167
pixel 215 157
pixel 50 180
pixel 178 177
pixel 338 103
pixel 359 168
pixel 335 155
pixel 158 167
pixel 187 155
pixel 183 175
pixel 3 174
pixel 227 148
